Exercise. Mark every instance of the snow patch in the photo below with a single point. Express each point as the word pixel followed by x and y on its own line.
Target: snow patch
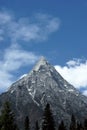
pixel 32 93
pixel 36 102
pixel 65 85
pixel 70 90
pixel 23 76
pixel 61 90
pixel 48 96
pixel 77 94
pixel 12 91
pixel 33 81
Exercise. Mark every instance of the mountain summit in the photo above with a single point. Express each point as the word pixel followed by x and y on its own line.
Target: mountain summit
pixel 43 85
pixel 41 62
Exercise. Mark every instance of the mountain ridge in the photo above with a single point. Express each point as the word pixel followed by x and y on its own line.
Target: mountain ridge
pixel 43 85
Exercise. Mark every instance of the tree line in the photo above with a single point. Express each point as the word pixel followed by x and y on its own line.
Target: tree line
pixel 7 121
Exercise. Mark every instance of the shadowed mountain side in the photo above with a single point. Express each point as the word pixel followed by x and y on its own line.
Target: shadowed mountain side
pixel 43 85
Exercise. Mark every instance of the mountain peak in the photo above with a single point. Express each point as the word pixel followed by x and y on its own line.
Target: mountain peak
pixel 41 62
pixel 41 86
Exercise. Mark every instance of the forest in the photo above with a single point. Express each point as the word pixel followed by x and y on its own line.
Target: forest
pixel 8 122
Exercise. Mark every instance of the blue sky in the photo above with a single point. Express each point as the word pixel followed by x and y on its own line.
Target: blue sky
pixel 55 29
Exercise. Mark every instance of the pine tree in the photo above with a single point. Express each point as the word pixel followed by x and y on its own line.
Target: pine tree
pixel 36 126
pixel 48 121
pixel 27 123
pixel 7 118
pixel 79 126
pixel 85 124
pixel 0 123
pixel 73 123
pixel 61 126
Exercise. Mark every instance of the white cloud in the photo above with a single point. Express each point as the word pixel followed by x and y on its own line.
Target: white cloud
pixel 74 62
pixel 17 31
pixel 75 72
pixel 85 92
pixel 13 59
pixel 5 17
pixel 27 29
pixel 17 56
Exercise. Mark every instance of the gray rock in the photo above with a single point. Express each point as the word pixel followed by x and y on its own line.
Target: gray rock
pixel 43 85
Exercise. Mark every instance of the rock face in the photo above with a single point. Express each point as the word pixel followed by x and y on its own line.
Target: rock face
pixel 43 85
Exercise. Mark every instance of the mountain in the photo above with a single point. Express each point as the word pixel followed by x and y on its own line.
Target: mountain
pixel 43 85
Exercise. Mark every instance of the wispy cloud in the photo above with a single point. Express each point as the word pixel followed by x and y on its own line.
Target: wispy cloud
pixel 13 59
pixel 37 28
pixel 5 17
pixel 85 92
pixel 15 32
pixel 75 72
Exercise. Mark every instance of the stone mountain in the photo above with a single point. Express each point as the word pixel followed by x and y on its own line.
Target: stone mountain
pixel 43 85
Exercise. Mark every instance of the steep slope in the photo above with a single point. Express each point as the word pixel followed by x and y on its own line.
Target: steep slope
pixel 44 84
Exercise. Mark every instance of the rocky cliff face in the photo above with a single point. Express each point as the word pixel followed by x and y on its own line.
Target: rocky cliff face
pixel 42 85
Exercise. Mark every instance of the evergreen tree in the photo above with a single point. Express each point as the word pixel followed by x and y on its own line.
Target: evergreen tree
pixel 85 124
pixel 61 126
pixel 27 123
pixel 79 126
pixel 48 121
pixel 73 123
pixel 7 121
pixel 0 123
pixel 36 126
